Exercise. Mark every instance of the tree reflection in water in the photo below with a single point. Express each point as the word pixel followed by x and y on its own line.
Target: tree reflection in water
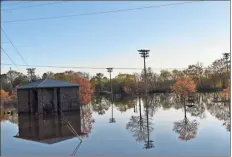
pixel 125 104
pixel 86 119
pixel 100 105
pixel 186 129
pixel 221 111
pixel 141 127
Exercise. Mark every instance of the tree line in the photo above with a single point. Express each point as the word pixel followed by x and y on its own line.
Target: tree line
pixel 213 78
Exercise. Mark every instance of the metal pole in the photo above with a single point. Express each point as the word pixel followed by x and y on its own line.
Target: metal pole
pixel 112 111
pixel 145 71
pixel 111 84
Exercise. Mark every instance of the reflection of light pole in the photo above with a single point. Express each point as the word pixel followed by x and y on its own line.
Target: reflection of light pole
pixel 112 119
pixel 145 54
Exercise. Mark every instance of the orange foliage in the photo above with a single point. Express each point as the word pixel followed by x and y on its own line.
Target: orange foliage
pixel 4 96
pixel 183 86
pixel 225 93
pixel 85 89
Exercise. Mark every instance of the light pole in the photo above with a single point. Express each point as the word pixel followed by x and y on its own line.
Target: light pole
pixel 110 70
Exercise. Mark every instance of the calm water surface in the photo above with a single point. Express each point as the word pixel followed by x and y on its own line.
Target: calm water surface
pixel 127 128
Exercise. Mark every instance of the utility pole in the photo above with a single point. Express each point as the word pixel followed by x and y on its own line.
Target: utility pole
pixel 144 54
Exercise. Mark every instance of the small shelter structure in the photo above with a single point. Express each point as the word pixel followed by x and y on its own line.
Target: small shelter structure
pixel 48 95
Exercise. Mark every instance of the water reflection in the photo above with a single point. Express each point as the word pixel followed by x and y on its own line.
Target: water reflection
pixel 9 114
pixel 51 129
pixel 100 104
pixel 112 119
pixel 48 129
pixel 186 128
pixel 148 143
pixel 124 104
pixel 141 127
pixel 221 111
pixel 155 121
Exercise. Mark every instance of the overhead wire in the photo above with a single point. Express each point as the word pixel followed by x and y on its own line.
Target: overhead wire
pixel 14 46
pixel 74 67
pixel 10 58
pixel 84 14
pixel 95 13
pixel 9 3
pixel 30 6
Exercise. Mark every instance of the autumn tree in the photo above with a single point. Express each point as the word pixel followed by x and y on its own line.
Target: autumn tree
pixel 85 89
pixel 183 86
pixel 85 86
pixel 225 93
pixel 4 96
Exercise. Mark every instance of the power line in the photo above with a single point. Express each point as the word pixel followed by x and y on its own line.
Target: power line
pixel 73 67
pixel 30 6
pixel 94 13
pixel 14 46
pixel 7 2
pixel 9 58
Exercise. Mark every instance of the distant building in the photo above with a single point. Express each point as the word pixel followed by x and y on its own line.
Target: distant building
pixel 48 95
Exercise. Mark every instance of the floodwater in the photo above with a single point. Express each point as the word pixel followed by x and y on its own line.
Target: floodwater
pixel 125 127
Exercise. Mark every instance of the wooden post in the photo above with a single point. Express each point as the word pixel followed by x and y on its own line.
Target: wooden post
pixel 55 100
pixel 29 100
pixel 40 101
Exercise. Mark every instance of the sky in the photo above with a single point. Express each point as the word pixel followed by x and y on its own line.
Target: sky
pixel 176 36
